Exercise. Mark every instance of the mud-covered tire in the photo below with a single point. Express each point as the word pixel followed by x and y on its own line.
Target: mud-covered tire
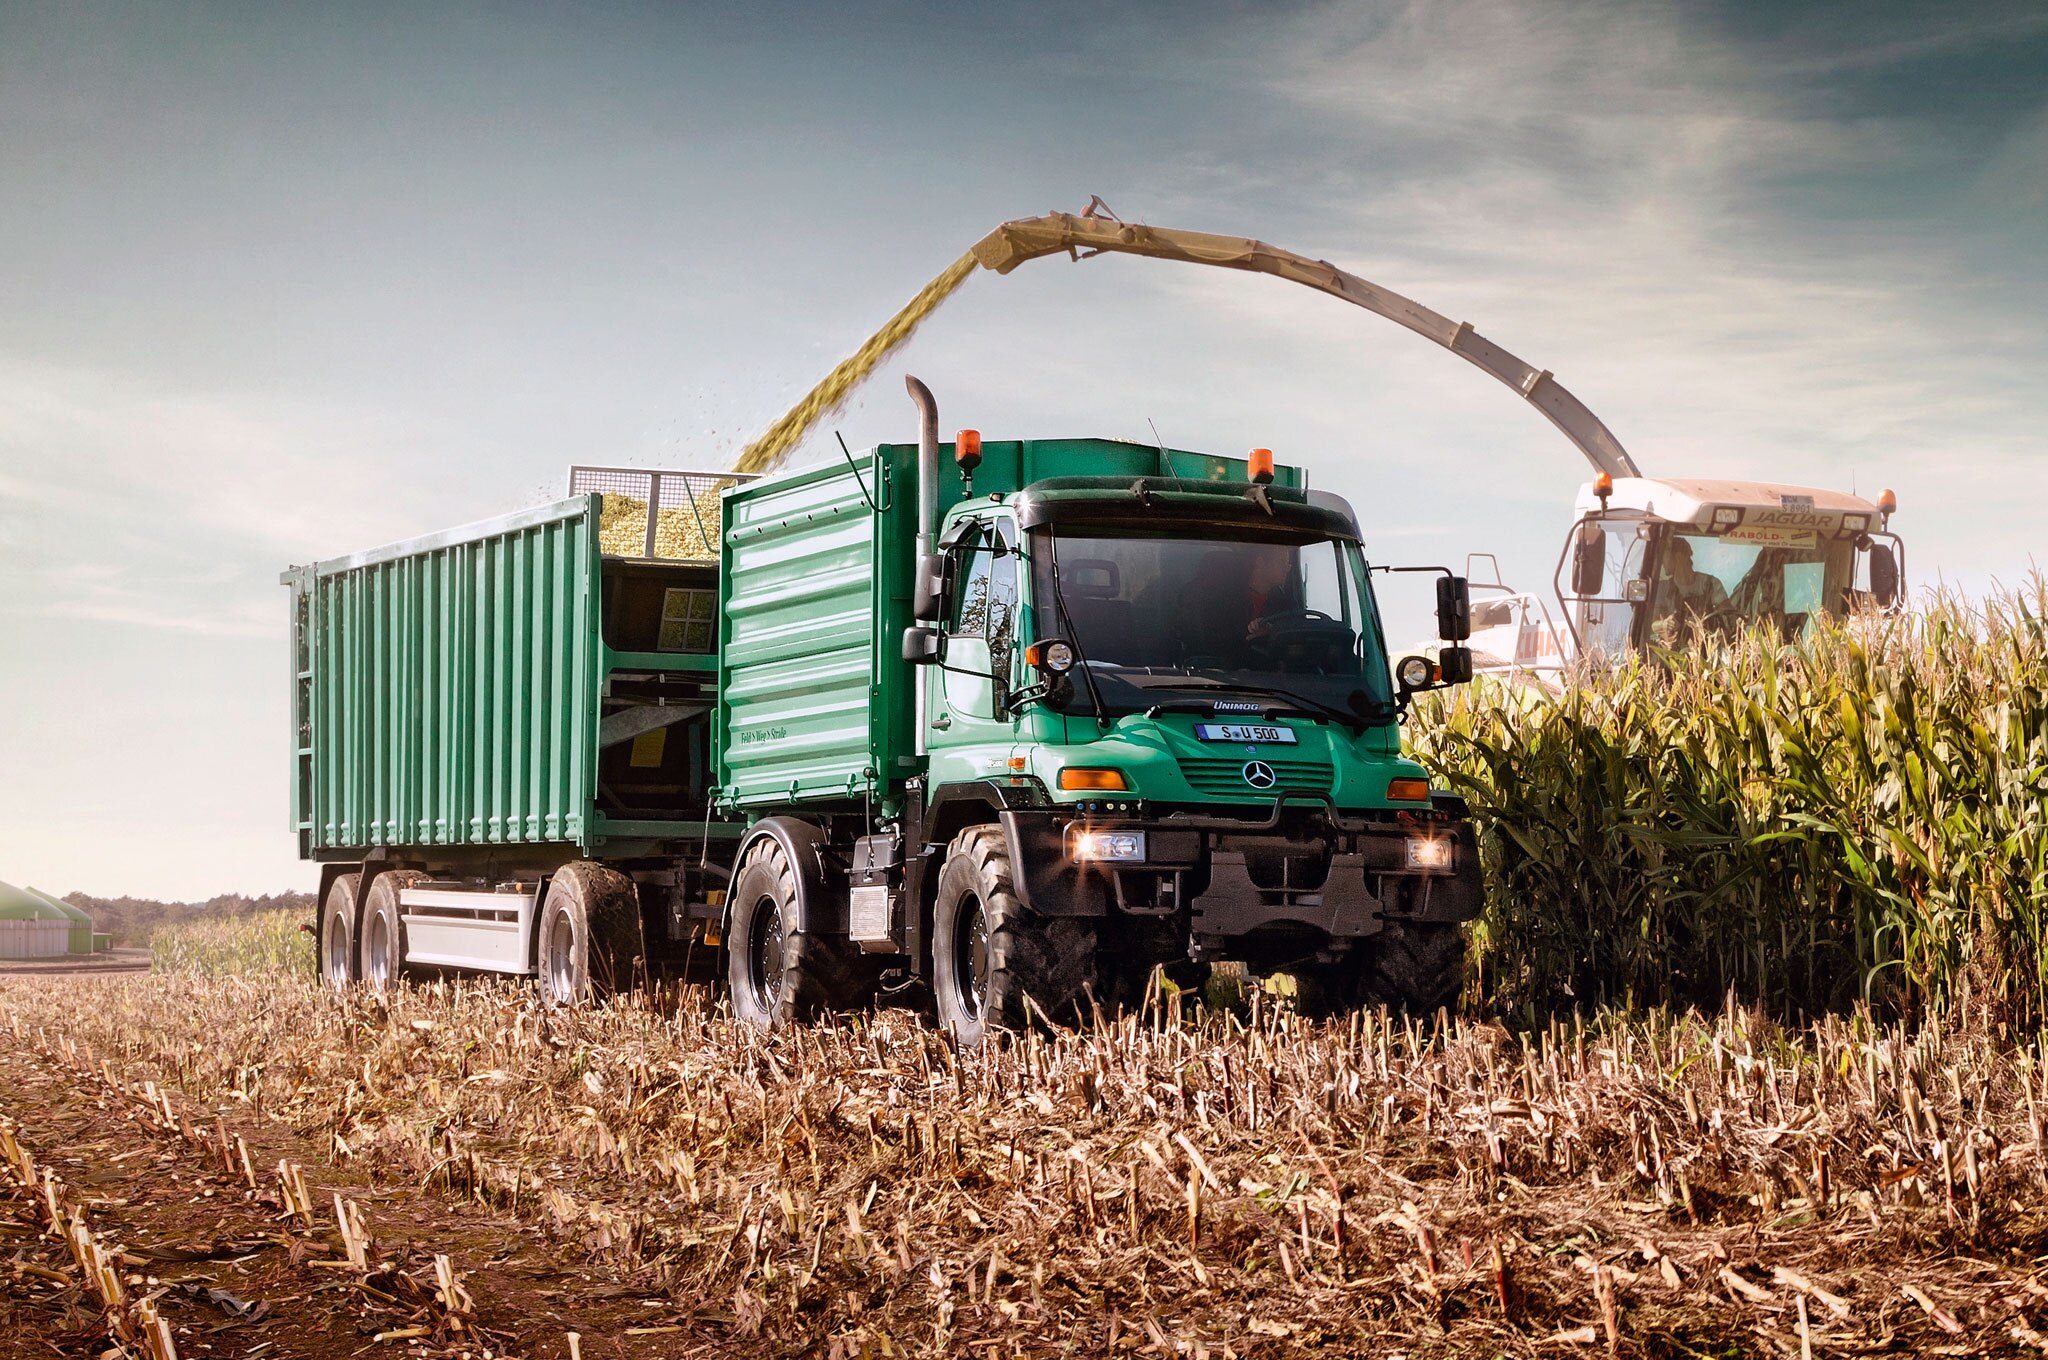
pixel 776 971
pixel 340 919
pixel 381 950
pixel 1414 966
pixel 995 964
pixel 589 944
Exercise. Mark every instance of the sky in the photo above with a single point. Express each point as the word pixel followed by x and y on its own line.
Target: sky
pixel 279 282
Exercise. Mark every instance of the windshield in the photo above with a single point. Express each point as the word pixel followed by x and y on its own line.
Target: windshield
pixel 1722 584
pixel 1283 618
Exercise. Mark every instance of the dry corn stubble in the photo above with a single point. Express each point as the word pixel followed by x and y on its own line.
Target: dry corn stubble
pixel 1216 1179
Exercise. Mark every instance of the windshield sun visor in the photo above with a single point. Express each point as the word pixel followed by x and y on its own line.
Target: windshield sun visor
pixel 1076 501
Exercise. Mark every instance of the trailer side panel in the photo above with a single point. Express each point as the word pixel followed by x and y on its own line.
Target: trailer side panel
pixel 447 688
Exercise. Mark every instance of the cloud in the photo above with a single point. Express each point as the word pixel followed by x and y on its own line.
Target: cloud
pixel 1618 196
pixel 122 502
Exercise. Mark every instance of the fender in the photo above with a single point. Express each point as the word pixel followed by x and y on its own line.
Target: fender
pixel 1046 880
pixel 820 880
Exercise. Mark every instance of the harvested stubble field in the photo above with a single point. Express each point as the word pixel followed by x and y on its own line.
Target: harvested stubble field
pixel 665 1182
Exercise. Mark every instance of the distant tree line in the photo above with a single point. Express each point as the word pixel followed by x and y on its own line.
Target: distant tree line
pixel 131 920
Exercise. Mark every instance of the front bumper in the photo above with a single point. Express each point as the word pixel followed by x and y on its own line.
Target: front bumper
pixel 1342 875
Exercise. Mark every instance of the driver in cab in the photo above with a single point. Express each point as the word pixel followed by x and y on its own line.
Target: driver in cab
pixel 1236 592
pixel 1684 595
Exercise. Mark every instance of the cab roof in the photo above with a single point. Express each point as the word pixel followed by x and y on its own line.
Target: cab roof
pixel 1693 500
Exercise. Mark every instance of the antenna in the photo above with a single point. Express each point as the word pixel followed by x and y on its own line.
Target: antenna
pixel 1165 458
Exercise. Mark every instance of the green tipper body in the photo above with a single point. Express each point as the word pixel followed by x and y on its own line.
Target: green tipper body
pixel 447 691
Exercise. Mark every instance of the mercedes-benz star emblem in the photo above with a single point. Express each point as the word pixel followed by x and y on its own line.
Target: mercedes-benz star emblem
pixel 1259 774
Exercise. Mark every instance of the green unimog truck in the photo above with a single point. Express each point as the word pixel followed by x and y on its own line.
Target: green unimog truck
pixel 1005 726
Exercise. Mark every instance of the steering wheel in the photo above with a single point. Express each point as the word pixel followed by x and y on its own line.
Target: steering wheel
pixel 1294 616
pixel 1301 637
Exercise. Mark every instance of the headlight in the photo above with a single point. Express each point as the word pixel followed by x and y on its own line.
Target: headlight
pixel 1429 852
pixel 1415 672
pixel 1727 516
pixel 1110 846
pixel 1855 524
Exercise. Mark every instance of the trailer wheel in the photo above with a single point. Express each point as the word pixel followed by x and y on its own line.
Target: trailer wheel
pixel 382 952
pixel 338 964
pixel 589 938
pixel 995 963
pixel 1414 966
pixel 777 970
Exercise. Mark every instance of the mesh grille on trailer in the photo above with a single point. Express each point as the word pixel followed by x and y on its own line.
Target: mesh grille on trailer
pixel 657 513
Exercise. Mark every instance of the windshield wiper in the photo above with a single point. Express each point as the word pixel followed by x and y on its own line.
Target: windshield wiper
pixel 1348 717
pixel 1059 599
pixel 1209 706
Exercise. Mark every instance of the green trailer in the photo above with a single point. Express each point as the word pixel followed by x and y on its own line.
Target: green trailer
pixel 995 726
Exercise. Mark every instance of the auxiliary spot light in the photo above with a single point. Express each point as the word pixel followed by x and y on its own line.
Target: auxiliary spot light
pixel 1429 852
pixel 1109 846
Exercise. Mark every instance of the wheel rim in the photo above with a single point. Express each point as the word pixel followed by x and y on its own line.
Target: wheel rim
pixel 764 953
pixel 970 957
pixel 562 982
pixel 376 960
pixel 338 942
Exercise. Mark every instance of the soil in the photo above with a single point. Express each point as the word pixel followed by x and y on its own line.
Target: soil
pixel 234 1276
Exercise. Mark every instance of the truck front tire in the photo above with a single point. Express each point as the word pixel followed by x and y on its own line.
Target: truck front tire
pixel 338 919
pixel 779 971
pixel 1410 967
pixel 589 938
pixel 1414 966
pixel 382 951
pixel 995 963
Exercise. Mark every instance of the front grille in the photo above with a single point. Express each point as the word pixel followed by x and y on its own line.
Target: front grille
pixel 1225 778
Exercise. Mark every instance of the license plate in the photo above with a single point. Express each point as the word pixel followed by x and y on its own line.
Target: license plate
pixel 1250 734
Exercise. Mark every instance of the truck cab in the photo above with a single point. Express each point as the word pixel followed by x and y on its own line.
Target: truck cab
pixel 1183 694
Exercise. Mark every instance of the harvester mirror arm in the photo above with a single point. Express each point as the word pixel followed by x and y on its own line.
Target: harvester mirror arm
pixel 1030 238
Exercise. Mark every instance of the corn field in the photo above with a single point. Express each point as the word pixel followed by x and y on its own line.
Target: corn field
pixel 222 945
pixel 1864 817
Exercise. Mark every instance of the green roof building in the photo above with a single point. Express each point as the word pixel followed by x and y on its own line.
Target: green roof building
pixel 81 924
pixel 32 927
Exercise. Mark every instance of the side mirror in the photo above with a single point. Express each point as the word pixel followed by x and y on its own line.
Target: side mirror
pixel 1454 665
pixel 1884 576
pixel 921 645
pixel 934 588
pixel 1453 608
pixel 1589 561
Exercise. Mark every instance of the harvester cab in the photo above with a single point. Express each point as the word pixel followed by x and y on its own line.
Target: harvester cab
pixel 1658 562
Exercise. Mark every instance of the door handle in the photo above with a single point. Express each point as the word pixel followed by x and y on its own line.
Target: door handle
pixel 942 722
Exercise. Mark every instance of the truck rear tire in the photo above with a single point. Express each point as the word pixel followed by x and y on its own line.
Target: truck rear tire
pixel 995 963
pixel 339 965
pixel 382 951
pixel 589 938
pixel 778 971
pixel 1414 966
